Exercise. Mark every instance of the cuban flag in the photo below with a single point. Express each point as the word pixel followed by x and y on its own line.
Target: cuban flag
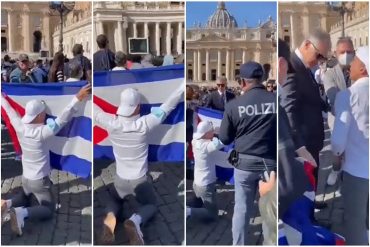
pixel 166 142
pixel 296 224
pixel 224 171
pixel 70 149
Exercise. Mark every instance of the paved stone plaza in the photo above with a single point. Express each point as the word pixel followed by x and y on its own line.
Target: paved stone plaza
pixel 167 226
pixel 219 232
pixel 71 224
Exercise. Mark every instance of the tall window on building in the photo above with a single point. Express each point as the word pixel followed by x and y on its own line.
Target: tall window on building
pixel 4 44
pixel 213 75
pixel 190 74
pixel 37 38
pixel 287 38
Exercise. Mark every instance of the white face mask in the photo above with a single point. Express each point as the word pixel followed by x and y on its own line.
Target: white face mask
pixel 323 66
pixel 345 59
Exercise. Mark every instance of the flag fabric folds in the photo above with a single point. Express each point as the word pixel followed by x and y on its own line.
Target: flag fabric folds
pixel 297 226
pixel 70 149
pixel 166 142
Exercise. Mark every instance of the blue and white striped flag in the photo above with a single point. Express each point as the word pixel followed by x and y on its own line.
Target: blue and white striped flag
pixel 70 149
pixel 166 142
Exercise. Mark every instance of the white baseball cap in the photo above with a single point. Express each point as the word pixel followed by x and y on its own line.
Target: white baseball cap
pixel 363 54
pixel 202 129
pixel 130 99
pixel 33 108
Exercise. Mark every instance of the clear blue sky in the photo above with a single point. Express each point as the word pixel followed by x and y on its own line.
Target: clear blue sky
pixel 250 11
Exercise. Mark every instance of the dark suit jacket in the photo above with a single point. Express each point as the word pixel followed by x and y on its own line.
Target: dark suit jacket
pixel 215 101
pixel 301 100
pixel 292 179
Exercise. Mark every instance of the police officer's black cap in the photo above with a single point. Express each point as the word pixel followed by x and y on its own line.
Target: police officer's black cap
pixel 251 70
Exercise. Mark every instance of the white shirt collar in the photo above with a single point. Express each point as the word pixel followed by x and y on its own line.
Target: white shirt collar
pixel 300 56
pixel 119 68
pixel 362 80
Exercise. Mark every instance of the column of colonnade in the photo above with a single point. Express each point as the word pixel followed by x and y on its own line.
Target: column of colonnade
pixel 295 20
pixel 26 42
pixel 224 56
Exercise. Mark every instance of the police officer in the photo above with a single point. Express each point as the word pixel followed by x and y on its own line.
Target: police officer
pixel 250 121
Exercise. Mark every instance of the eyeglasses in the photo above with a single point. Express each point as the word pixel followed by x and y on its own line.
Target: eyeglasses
pixel 220 85
pixel 319 56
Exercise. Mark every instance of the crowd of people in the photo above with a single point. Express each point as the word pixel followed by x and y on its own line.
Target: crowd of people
pixel 312 83
pixel 106 60
pixel 206 96
pixel 42 70
pixel 24 69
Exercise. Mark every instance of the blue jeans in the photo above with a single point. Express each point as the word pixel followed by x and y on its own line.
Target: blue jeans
pixel 207 193
pixel 246 184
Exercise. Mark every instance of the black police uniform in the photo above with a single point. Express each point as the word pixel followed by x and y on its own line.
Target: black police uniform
pixel 251 121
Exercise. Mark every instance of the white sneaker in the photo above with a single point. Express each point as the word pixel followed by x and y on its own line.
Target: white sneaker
pixel 16 220
pixel 332 178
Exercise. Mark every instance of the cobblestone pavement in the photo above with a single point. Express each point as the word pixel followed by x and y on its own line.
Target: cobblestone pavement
pixel 332 216
pixel 167 226
pixel 219 232
pixel 71 224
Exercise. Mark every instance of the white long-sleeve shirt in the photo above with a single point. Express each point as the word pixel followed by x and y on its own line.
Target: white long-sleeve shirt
pixel 351 128
pixel 128 136
pixel 33 139
pixel 204 168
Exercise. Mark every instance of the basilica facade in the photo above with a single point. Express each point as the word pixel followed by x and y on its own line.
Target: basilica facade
pixel 220 46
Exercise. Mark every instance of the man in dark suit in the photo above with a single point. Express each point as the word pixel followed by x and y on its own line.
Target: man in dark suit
pixel 218 99
pixel 301 99
pixel 292 180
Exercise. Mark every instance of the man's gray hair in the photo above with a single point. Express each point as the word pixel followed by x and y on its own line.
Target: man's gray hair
pixel 342 40
pixel 222 79
pixel 317 36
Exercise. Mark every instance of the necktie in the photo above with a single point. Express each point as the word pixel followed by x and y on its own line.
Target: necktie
pixel 223 98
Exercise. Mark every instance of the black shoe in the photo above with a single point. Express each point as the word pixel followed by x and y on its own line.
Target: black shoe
pixel 320 205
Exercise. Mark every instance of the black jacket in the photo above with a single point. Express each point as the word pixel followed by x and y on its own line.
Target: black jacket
pixel 250 120
pixel 292 179
pixel 104 60
pixel 215 101
pixel 300 97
